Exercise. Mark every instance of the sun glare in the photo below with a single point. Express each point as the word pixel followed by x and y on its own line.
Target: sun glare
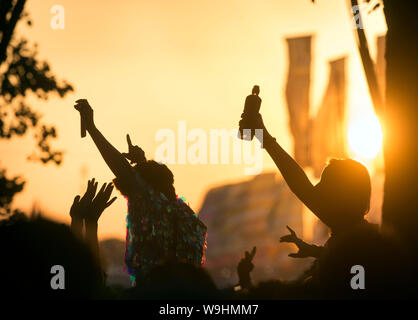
pixel 365 136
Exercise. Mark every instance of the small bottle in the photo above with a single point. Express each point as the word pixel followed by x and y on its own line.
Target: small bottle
pixel 83 127
pixel 251 108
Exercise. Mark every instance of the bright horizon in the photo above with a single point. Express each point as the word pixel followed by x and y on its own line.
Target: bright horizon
pixel 145 66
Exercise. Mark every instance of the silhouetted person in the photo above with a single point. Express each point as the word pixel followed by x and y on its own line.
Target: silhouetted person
pixel 127 179
pixel 86 211
pixel 30 247
pixel 244 268
pixel 341 199
pixel 152 201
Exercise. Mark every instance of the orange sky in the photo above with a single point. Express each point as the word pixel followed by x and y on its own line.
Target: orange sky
pixel 144 65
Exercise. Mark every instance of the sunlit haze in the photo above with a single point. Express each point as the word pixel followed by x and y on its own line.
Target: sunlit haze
pixel 365 136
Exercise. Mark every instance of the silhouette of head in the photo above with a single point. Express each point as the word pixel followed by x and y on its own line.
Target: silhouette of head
pixel 30 247
pixel 159 177
pixel 256 90
pixel 345 188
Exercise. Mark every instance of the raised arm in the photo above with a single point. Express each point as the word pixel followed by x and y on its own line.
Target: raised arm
pixel 88 209
pixel 293 174
pixel 113 158
pixel 95 209
pixel 80 206
pixel 244 268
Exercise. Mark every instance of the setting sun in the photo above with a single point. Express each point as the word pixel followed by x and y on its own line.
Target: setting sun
pixel 365 136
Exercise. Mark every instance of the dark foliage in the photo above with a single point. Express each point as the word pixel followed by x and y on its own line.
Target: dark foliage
pixel 23 74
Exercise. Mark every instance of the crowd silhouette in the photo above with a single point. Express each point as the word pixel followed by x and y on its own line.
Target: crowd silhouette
pixel 164 266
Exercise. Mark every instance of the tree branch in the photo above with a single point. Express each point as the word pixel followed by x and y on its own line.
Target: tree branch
pixel 9 28
pixel 368 64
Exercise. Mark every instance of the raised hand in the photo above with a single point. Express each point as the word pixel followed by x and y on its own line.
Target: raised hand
pixel 255 121
pixel 135 153
pixel 75 212
pixel 86 113
pixel 89 208
pixel 245 266
pixel 99 203
pixel 304 248
pixel 81 205
pixel 291 238
pixel 252 121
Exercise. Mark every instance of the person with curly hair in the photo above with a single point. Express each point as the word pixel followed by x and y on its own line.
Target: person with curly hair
pixel 161 228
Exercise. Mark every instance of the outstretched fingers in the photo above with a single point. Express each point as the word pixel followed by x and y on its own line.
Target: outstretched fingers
pixel 287 238
pixel 108 204
pixel 104 194
pixel 252 254
pixel 249 256
pixel 102 189
pixel 93 189
pixel 108 191
pixel 291 230
pixel 128 139
pixel 109 187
